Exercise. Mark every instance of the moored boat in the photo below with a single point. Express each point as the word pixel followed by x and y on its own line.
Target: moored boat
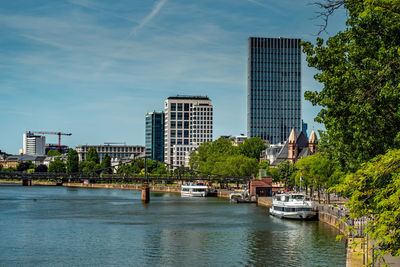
pixel 292 206
pixel 194 190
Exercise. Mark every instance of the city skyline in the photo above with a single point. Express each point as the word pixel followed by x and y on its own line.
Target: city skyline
pixel 95 69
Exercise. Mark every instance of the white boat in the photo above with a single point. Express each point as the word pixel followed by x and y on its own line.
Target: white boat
pixel 194 190
pixel 292 206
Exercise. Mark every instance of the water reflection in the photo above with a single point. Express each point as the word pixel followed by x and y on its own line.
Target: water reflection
pixel 112 227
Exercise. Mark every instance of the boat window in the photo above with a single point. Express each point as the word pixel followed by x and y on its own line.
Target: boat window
pixel 298 197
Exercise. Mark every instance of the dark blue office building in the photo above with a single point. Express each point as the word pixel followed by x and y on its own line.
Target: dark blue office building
pixel 155 136
pixel 274 88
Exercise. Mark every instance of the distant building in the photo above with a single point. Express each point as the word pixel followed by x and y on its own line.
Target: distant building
pixel 12 161
pixel 116 152
pixel 236 139
pixel 304 128
pixel 64 148
pixel 297 147
pixel 274 88
pixel 272 152
pixel 155 136
pixel 188 123
pixel 33 144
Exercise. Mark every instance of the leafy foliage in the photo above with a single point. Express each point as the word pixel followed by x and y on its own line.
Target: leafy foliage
pixel 41 168
pixel 375 193
pixel 252 147
pixel 223 158
pixel 92 155
pixel 359 69
pixel 72 161
pixel 57 166
pixel 106 164
pixel 24 166
pixel 53 153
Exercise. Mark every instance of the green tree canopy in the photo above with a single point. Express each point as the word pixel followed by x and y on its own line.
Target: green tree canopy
pixel 360 72
pixel 72 161
pixel 53 153
pixel 252 147
pixel 24 166
pixel 106 164
pixel 57 166
pixel 285 172
pixel 41 168
pixel 92 155
pixel 375 193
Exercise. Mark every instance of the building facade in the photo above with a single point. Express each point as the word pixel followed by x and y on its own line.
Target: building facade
pixel 297 147
pixel 188 123
pixel 155 136
pixel 274 88
pixel 33 144
pixel 116 152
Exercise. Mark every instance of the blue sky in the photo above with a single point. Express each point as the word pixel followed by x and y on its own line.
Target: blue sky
pixel 94 68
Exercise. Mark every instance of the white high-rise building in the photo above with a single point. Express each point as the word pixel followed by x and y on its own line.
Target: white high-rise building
pixel 188 123
pixel 34 144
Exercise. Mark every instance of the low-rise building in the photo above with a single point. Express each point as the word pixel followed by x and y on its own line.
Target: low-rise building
pixel 116 152
pixel 297 147
pixel 12 161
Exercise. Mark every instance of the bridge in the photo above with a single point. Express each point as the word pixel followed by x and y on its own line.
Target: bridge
pixel 99 177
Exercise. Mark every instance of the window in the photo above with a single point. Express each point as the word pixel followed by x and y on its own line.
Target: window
pixel 173 115
pixel 173 124
pixel 186 107
pixel 186 117
pixel 179 124
pixel 173 106
pixel 179 115
pixel 180 106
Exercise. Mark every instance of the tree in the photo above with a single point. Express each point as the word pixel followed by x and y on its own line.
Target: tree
pixel 359 69
pixel 285 172
pixel 252 147
pixel 24 166
pixel 57 166
pixel 53 153
pixel 41 168
pixel 72 161
pixel 92 155
pixel 375 193
pixel 106 164
pixel 318 171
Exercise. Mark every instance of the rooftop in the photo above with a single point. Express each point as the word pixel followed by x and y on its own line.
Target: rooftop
pixel 189 97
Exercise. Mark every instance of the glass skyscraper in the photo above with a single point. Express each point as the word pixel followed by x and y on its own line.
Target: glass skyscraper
pixel 274 88
pixel 155 136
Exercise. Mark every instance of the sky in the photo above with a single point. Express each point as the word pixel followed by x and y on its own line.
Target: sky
pixel 95 68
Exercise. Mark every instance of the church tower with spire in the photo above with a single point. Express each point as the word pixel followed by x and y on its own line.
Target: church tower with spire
pixel 293 147
pixel 313 142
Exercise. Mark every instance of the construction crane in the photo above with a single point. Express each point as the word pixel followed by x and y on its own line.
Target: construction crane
pixel 55 133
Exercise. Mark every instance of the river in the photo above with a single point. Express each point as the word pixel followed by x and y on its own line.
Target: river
pixel 61 226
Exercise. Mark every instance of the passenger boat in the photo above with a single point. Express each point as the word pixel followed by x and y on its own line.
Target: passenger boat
pixel 292 206
pixel 194 190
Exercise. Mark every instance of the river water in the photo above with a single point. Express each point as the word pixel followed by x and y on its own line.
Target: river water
pixel 60 226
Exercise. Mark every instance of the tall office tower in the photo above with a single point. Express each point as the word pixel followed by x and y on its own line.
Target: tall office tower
pixel 273 88
pixel 188 123
pixel 33 144
pixel 155 136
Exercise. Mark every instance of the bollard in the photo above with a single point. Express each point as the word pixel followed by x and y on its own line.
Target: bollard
pixel 145 193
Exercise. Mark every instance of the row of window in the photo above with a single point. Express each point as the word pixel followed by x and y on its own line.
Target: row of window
pixel 292 209
pixel 114 149
pixel 180 106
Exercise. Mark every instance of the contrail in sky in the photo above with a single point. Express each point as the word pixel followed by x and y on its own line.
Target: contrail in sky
pixel 147 19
